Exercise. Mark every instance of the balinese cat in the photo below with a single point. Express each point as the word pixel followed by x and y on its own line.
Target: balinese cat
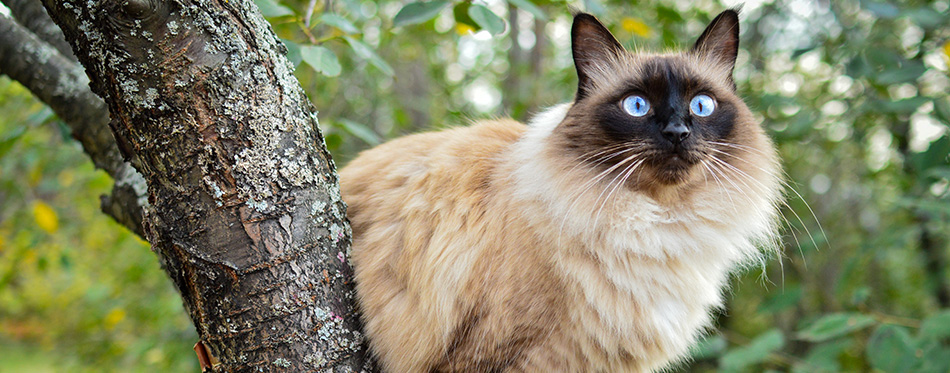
pixel 598 238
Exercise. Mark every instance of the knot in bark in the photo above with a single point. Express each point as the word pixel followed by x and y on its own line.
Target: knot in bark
pixel 126 14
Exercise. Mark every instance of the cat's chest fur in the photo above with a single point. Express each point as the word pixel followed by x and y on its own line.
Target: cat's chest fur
pixel 630 303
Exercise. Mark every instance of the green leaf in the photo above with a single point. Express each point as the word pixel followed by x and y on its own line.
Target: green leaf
pixel 881 9
pixel 293 51
pixel 339 22
pixel 939 172
pixel 755 352
pixel 781 300
pixel 907 73
pixel 907 105
pixel 927 18
pixel 935 156
pixel 529 7
pixel 858 67
pixel 890 349
pixel 10 139
pixel 933 356
pixel 823 357
pixel 942 110
pixel 270 9
pixel 883 58
pixel 709 347
pixel 419 12
pixel 360 131
pixel 936 325
pixel 321 59
pixel 367 53
pixel 800 51
pixel 486 19
pixel 46 115
pixel 860 295
pixel 834 325
pixel 333 141
pixel 460 12
pixel 668 14
pixel 64 130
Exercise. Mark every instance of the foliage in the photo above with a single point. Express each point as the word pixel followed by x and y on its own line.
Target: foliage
pixel 853 92
pixel 77 291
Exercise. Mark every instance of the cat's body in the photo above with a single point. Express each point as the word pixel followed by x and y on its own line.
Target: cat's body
pixel 502 247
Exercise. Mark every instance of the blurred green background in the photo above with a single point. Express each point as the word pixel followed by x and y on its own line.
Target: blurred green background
pixel 853 92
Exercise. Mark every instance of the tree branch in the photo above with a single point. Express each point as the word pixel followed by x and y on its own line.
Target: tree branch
pixel 63 86
pixel 32 15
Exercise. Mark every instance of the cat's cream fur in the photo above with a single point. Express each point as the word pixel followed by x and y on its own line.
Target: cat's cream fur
pixel 492 248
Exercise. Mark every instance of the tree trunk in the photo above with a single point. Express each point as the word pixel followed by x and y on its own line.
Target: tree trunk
pixel 244 206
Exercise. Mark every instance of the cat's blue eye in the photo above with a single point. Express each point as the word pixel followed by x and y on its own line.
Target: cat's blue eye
pixel 702 105
pixel 635 105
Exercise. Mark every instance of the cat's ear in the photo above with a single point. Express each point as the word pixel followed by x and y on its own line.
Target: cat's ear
pixel 720 41
pixel 593 47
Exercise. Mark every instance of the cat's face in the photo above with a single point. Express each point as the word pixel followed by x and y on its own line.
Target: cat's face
pixel 651 121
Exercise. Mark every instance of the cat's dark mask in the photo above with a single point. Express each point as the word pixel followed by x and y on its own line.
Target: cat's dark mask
pixel 669 109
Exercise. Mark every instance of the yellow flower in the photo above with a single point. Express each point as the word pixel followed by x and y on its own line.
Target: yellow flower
pixel 67 178
pixel 29 257
pixel 463 29
pixel 155 355
pixel 115 316
pixel 35 175
pixel 45 217
pixel 635 26
pixel 946 50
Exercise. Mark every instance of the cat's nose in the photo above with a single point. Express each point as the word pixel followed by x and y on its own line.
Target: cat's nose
pixel 676 132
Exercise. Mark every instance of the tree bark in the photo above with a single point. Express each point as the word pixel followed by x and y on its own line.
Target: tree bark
pixel 245 211
pixel 511 84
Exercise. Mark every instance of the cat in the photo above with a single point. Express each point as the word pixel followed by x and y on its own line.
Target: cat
pixel 598 238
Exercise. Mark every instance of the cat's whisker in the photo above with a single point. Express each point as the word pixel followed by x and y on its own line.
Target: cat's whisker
pixel 722 176
pixel 588 156
pixel 753 165
pixel 718 164
pixel 590 183
pixel 604 174
pixel 593 181
pixel 787 187
pixel 743 175
pixel 623 175
pixel 813 215
pixel 623 149
pixel 747 148
pixel 782 215
pixel 726 166
pixel 752 151
pixel 623 181
pixel 784 183
pixel 722 187
pixel 715 176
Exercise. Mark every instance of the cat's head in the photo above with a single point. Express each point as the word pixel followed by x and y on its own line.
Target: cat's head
pixel 652 121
